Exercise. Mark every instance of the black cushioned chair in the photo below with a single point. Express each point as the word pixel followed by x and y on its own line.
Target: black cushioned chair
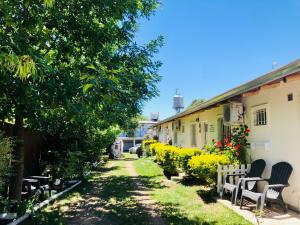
pixel 256 170
pixel 278 180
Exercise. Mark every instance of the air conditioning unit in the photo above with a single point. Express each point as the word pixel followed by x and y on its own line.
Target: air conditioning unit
pixel 233 113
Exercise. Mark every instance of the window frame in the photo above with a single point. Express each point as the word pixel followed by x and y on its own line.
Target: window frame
pixel 254 111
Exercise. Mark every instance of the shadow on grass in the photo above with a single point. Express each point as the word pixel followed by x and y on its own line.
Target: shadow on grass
pixel 173 215
pixel 208 195
pixel 107 200
pixel 108 169
pixel 130 159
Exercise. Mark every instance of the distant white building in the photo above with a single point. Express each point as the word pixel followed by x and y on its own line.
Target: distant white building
pixel 125 141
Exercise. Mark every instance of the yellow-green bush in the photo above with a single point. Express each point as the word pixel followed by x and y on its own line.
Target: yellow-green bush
pixel 172 157
pixel 155 146
pixel 183 155
pixel 146 146
pixel 205 166
pixel 165 156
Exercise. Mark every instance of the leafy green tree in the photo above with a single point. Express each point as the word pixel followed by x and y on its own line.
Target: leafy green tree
pixel 72 68
pixel 196 102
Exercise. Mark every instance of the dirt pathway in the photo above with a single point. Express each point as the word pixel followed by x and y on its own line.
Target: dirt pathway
pixel 142 195
pixel 113 196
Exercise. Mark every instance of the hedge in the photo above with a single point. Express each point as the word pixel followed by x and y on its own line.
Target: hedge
pixel 172 157
pixel 146 146
pixel 194 161
pixel 205 166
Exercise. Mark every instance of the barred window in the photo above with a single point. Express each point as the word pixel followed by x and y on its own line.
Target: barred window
pixel 260 117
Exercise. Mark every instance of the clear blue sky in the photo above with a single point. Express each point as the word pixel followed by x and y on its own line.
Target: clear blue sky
pixel 214 45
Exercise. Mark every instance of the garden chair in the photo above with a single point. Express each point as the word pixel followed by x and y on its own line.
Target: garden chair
pixel 273 191
pixel 256 170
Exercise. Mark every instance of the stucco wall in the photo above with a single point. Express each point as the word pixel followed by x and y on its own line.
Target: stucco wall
pixel 209 117
pixel 279 139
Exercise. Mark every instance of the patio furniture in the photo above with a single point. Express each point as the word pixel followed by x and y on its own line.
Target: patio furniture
pixel 44 184
pixel 57 185
pixel 256 170
pixel 273 191
pixel 30 187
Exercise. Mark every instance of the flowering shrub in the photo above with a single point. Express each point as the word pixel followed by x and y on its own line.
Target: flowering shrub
pixel 146 146
pixel 205 166
pixel 235 148
pixel 239 143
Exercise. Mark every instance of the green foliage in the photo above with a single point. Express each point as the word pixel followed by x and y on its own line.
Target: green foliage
pixel 73 70
pixel 235 148
pixel 205 166
pixel 166 158
pixel 196 102
pixel 183 156
pixel 172 157
pixel 5 158
pixel 146 146
pixel 6 146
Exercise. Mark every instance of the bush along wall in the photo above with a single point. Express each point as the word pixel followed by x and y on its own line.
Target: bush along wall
pixel 146 146
pixel 204 167
pixel 172 158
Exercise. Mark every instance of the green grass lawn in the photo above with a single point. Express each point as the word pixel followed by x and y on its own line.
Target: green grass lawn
pixel 107 198
pixel 185 204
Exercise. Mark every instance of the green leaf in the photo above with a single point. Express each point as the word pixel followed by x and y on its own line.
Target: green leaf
pixel 91 66
pixel 86 87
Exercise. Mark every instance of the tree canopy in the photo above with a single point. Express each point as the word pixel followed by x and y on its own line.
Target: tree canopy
pixel 196 102
pixel 72 69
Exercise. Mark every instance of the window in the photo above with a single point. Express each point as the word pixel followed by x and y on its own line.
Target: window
pixel 193 135
pixel 224 131
pixel 260 117
pixel 175 138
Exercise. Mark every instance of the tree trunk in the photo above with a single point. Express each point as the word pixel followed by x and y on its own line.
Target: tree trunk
pixel 15 187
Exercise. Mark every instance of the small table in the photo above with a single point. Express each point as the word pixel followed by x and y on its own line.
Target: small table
pixel 43 179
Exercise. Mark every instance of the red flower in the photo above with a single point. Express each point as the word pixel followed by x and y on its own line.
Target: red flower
pixel 218 144
pixel 229 144
pixel 237 147
pixel 248 131
pixel 244 136
pixel 237 154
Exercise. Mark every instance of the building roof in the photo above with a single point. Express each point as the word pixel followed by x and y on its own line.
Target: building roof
pixel 147 122
pixel 270 77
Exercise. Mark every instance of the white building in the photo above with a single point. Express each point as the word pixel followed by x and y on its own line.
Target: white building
pixel 125 141
pixel 269 105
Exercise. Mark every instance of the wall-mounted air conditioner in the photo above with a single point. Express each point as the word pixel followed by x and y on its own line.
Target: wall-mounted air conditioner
pixel 233 113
